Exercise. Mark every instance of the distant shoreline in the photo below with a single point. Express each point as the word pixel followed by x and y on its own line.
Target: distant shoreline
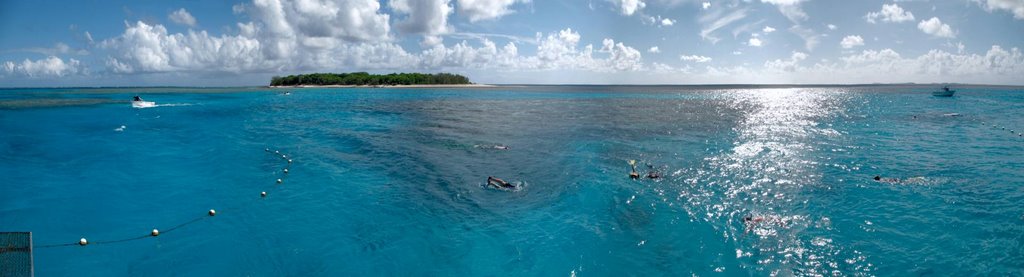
pixel 389 86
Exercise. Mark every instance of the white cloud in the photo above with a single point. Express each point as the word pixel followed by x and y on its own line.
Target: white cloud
pixel 832 27
pixel 851 42
pixel 789 8
pixel 667 22
pixel 695 58
pixel 428 17
pixel 791 65
pixel 768 29
pixel 477 10
pixel 621 57
pixel 718 19
pixel 654 49
pixel 181 16
pixel 347 20
pixel 706 5
pixel 51 66
pixel 935 27
pixel 754 42
pixel 146 48
pixel 1014 6
pixel 811 39
pixel 629 7
pixel 890 13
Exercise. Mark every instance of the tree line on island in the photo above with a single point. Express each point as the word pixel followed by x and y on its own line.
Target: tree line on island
pixel 367 79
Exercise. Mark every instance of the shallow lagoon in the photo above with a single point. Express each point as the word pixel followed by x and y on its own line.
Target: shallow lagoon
pixel 391 181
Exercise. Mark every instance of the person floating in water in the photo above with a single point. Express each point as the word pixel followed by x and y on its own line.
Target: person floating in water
pixel 633 174
pixel 887 180
pixel 652 174
pixel 911 180
pixel 752 221
pixel 499 183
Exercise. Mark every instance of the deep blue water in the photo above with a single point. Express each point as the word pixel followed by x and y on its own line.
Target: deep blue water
pixel 391 181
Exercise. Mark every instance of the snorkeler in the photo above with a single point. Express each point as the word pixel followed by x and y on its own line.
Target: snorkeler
pixel 752 221
pixel 652 174
pixel 633 174
pixel 887 180
pixel 499 183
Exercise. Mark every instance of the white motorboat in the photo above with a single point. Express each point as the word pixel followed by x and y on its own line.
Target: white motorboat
pixel 138 103
pixel 945 92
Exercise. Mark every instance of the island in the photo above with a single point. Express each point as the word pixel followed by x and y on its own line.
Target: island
pixel 366 79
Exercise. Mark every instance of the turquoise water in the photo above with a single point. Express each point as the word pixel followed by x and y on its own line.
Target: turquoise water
pixel 391 181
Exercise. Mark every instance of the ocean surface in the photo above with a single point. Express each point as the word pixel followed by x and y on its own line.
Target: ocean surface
pixel 393 181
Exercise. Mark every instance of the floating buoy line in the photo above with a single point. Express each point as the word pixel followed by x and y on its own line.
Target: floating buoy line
pixel 84 241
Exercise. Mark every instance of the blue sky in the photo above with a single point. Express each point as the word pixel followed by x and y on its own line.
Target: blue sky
pixel 226 43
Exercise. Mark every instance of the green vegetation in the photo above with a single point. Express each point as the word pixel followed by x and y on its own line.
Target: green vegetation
pixel 367 79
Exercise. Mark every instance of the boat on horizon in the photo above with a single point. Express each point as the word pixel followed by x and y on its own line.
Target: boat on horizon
pixel 138 103
pixel 945 92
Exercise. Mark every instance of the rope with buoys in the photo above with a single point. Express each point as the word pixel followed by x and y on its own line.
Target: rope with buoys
pixel 156 232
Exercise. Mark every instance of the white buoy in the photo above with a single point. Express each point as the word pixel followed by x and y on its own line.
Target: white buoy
pixel 263 194
pixel 213 212
pixel 266 149
pixel 154 233
pixel 284 156
pixel 285 170
pixel 289 160
pixel 279 181
pixel 277 152
pixel 83 242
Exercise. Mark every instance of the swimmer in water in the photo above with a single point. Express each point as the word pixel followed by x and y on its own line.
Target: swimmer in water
pixel 633 174
pixel 887 180
pixel 753 221
pixel 499 183
pixel 501 147
pixel 652 174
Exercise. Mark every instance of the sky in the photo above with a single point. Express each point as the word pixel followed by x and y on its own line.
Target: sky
pixel 53 43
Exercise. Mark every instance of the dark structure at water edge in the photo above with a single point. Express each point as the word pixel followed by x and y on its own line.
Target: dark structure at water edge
pixel 367 79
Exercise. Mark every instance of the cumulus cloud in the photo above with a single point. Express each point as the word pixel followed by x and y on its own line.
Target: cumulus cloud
pixel 935 27
pixel 51 66
pixel 1014 6
pixel 477 10
pixel 754 42
pixel 790 65
pixel 620 56
pixel 706 5
pixel 348 20
pixel 768 29
pixel 424 17
pixel 654 49
pixel 890 13
pixel 695 58
pixel 147 48
pixel 667 22
pixel 832 27
pixel 789 8
pixel 181 16
pixel 851 42
pixel 629 7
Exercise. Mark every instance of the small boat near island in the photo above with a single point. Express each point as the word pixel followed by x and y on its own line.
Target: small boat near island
pixel 945 92
pixel 138 103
